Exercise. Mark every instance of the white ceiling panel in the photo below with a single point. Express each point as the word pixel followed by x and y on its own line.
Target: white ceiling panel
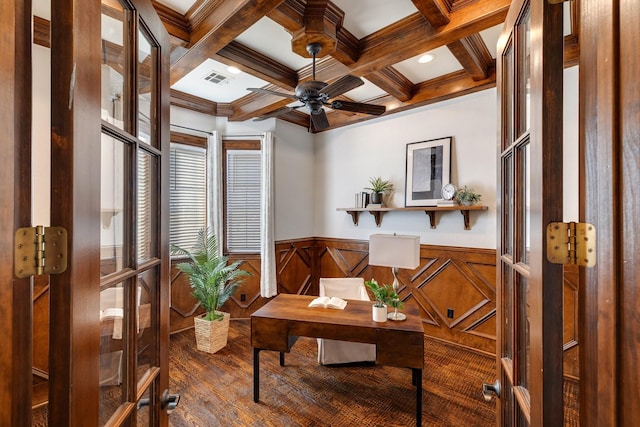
pixel 270 39
pixel 365 92
pixel 229 89
pixel 181 6
pixel 363 17
pixel 444 63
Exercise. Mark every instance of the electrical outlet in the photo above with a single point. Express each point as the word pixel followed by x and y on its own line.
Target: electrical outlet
pixel 450 313
pixel 243 297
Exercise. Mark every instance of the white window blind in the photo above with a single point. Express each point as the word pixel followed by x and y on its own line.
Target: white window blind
pixel 187 194
pixel 242 183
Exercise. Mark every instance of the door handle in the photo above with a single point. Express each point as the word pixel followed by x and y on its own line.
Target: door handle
pixel 169 401
pixel 488 390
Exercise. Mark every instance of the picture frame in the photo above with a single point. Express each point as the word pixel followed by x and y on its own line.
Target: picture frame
pixel 428 170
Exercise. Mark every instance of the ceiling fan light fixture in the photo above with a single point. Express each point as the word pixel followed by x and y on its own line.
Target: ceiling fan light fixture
pixel 426 58
pixel 314 95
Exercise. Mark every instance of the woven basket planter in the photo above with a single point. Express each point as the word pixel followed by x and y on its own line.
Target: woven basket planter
pixel 211 336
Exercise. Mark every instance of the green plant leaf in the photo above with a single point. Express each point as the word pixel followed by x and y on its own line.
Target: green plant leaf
pixel 213 280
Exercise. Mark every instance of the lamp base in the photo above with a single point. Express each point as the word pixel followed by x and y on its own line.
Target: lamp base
pixel 396 316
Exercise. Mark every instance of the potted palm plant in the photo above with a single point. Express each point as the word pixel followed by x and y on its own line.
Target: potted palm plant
pixel 384 295
pixel 378 188
pixel 213 281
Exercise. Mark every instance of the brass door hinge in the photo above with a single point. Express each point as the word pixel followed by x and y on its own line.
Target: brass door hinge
pixel 40 250
pixel 571 243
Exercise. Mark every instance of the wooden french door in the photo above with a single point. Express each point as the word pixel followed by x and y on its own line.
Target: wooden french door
pixel 529 305
pixel 15 210
pixel 109 311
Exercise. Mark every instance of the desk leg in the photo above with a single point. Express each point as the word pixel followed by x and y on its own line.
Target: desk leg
pixel 256 374
pixel 417 381
pixel 281 359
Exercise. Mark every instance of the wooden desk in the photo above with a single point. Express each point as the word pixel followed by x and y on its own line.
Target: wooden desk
pixel 278 324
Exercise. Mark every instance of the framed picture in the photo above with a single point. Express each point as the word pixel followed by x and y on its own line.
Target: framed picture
pixel 428 169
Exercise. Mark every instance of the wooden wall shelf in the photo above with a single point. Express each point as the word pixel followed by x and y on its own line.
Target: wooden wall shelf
pixel 429 210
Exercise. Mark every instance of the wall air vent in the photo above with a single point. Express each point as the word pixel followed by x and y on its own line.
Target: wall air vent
pixel 216 78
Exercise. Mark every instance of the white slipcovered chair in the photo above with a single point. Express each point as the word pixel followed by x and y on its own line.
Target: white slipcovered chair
pixel 334 352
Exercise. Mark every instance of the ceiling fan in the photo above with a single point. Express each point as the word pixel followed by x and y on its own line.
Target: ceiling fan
pixel 315 94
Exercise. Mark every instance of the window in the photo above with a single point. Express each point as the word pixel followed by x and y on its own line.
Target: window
pixel 242 171
pixel 187 192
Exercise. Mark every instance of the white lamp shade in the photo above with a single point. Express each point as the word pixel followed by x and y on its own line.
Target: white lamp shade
pixel 392 250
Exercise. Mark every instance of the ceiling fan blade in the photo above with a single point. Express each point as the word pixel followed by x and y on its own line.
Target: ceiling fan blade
pixel 359 107
pixel 272 92
pixel 342 85
pixel 275 113
pixel 320 120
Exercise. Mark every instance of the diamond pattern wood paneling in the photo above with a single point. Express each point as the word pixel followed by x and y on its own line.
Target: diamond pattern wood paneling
pixel 461 279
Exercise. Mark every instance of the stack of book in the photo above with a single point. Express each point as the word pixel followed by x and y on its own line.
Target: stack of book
pixel 443 202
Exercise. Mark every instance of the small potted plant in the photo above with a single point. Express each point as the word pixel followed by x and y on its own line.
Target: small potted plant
pixel 213 281
pixel 467 196
pixel 384 295
pixel 378 187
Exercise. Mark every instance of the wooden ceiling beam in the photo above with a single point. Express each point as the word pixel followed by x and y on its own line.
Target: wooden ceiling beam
pixel 177 25
pixel 201 105
pixel 227 21
pixel 392 82
pixel 258 65
pixel 434 11
pixel 296 118
pixel 255 105
pixel 414 35
pixel 436 90
pixel 474 56
pixel 291 16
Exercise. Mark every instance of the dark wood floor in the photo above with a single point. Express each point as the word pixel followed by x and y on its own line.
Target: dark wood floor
pixel 217 389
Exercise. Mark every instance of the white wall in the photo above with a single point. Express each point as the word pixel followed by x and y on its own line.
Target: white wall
pixel 295 167
pixel 315 174
pixel 347 157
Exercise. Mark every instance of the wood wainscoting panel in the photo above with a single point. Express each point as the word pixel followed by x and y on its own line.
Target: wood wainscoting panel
pixel 453 287
pixel 295 266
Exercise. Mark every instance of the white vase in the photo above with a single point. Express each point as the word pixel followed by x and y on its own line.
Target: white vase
pixel 380 313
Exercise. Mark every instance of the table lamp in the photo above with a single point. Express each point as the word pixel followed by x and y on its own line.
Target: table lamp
pixel 395 251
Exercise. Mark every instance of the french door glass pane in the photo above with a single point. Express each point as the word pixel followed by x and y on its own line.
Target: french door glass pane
pixel 507 297
pixel 507 96
pixel 524 153
pixel 507 205
pixel 524 337
pixel 142 414
pixel 146 334
pixel 146 85
pixel 524 72
pixel 112 350
pixel 147 212
pixel 111 205
pixel 113 63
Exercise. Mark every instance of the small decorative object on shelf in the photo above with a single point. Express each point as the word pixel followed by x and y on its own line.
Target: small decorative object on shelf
pixel 448 193
pixel 467 196
pixel 378 188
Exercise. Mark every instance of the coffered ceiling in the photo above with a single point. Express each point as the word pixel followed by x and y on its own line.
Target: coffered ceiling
pixel 379 41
